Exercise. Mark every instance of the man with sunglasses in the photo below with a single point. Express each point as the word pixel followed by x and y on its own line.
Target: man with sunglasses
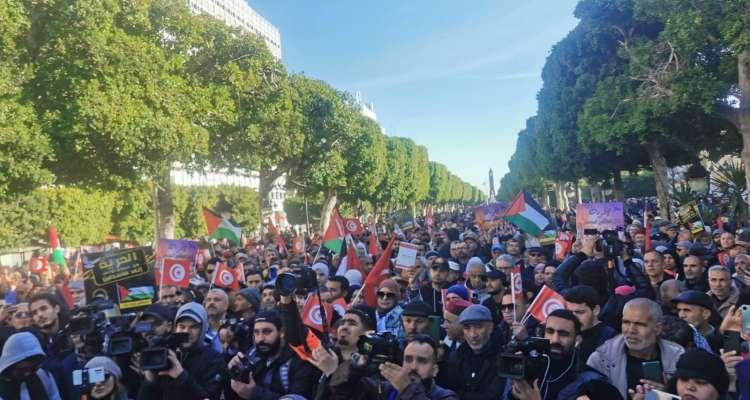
pixel 20 374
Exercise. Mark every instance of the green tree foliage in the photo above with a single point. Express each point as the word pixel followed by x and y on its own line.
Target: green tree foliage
pixel 23 148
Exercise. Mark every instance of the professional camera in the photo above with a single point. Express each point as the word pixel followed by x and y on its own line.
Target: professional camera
pixel 303 278
pixel 610 244
pixel 89 318
pixel 241 334
pixel 155 357
pixel 121 336
pixel 379 347
pixel 531 364
pixel 241 372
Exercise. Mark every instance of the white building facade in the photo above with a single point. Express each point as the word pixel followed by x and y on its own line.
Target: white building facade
pixel 238 13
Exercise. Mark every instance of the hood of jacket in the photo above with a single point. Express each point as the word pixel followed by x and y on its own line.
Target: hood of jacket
pixel 197 313
pixel 18 347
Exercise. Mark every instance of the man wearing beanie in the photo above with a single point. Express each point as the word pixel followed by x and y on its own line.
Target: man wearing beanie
pixel 196 371
pixel 454 332
pixel 20 374
pixel 388 313
pixel 700 375
pixel 247 303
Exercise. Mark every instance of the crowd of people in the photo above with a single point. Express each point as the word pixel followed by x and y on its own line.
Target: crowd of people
pixel 645 311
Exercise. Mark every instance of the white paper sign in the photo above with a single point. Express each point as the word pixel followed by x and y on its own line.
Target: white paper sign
pixel 407 255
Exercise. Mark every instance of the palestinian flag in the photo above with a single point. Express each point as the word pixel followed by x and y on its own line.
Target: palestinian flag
pixel 334 236
pixel 526 214
pixel 221 228
pixel 54 244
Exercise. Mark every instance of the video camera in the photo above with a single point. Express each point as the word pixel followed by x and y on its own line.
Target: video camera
pixel 303 278
pixel 610 244
pixel 241 334
pixel 155 357
pixel 379 347
pixel 241 372
pixel 530 365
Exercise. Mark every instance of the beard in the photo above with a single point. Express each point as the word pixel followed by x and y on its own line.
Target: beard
pixel 265 349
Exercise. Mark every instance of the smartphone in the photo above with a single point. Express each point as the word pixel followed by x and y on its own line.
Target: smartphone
pixel 590 231
pixel 88 376
pixel 652 371
pixel 745 327
pixel 433 327
pixel 732 342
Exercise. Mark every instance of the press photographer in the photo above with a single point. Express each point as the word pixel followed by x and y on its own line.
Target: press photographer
pixel 193 370
pixel 270 369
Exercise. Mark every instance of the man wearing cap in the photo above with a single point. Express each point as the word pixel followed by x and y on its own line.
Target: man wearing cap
pixel 683 248
pixel 414 319
pixel 198 372
pixel 21 376
pixel 431 291
pixel 278 370
pixel 696 308
pixel 471 371
pixel 496 284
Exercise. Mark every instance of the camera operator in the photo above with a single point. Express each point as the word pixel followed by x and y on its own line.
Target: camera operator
pixel 198 372
pixel 271 369
pixel 471 370
pixel 414 380
pixel 21 375
pixel 564 371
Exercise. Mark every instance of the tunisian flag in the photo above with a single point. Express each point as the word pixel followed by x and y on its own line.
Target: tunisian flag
pixel 226 277
pixel 545 302
pixel 176 273
pixel 376 275
pixel 311 315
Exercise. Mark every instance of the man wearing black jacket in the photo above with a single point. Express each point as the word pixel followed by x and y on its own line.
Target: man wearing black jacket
pixel 196 372
pixel 583 302
pixel 278 370
pixel 471 371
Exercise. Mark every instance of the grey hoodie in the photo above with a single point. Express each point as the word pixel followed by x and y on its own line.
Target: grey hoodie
pixel 197 313
pixel 19 347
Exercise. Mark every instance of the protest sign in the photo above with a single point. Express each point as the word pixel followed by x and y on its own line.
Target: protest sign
pixel 489 213
pixel 123 276
pixel 599 216
pixel 407 255
pixel 689 214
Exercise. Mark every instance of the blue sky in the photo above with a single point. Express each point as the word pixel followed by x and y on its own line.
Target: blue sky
pixel 459 77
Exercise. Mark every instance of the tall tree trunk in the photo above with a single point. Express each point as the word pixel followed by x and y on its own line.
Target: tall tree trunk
pixel 163 206
pixel 660 176
pixel 265 185
pixel 560 195
pixel 577 189
pixel 617 188
pixel 743 61
pixel 594 191
pixel 328 206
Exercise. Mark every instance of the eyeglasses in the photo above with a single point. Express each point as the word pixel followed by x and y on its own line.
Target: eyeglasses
pixel 386 295
pixel 506 307
pixel 22 314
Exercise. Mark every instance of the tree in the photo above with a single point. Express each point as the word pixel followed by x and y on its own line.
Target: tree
pixel 24 149
pixel 112 94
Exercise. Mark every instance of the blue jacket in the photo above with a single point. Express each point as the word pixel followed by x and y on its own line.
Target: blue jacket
pixel 743 379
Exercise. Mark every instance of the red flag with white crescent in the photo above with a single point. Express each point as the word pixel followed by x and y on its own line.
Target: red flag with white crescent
pixel 516 282
pixel 176 273
pixel 353 226
pixel 545 302
pixel 311 315
pixel 225 277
